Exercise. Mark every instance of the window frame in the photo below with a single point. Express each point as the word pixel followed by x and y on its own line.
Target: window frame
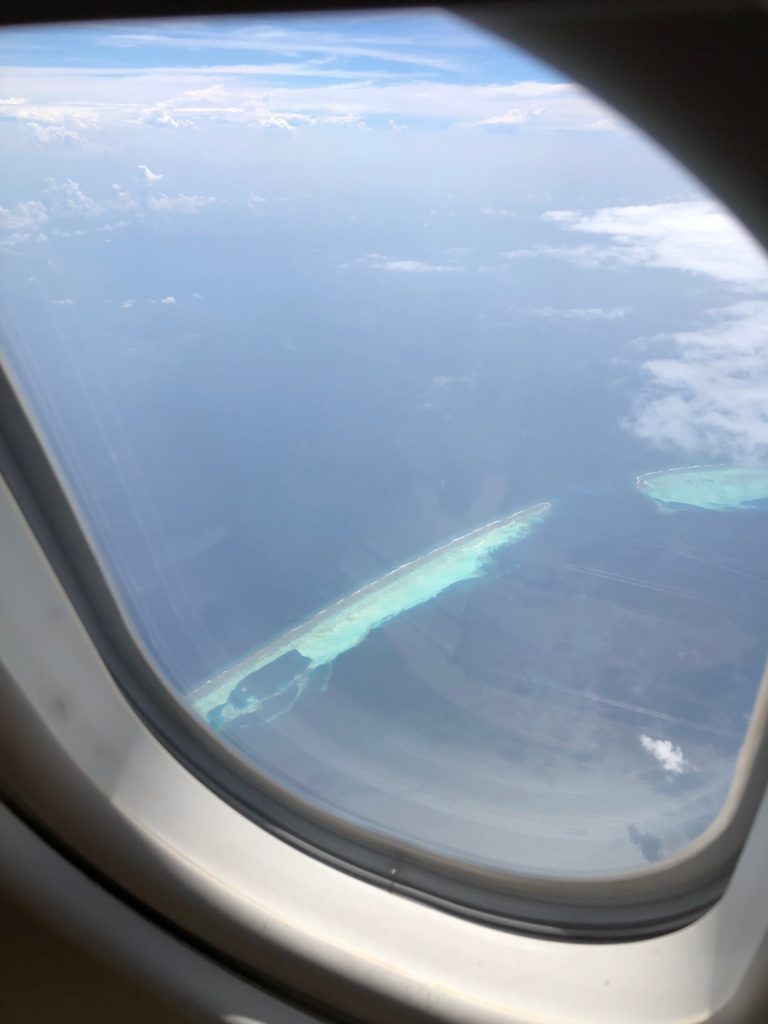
pixel 650 900
pixel 108 806
pixel 82 766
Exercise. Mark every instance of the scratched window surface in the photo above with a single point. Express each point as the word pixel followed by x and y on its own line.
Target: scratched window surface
pixel 415 405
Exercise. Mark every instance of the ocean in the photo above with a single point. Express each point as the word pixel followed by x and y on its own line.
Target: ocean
pixel 592 685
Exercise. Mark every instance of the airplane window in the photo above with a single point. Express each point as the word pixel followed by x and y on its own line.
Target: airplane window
pixel 414 404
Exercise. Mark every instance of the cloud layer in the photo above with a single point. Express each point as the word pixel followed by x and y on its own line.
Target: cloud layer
pixel 66 210
pixel 711 393
pixel 706 393
pixel 290 78
pixel 698 236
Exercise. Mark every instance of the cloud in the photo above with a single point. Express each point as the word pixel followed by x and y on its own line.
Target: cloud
pixel 263 95
pixel 696 236
pixel 149 176
pixel 255 202
pixel 495 211
pixel 23 216
pixel 414 267
pixel 379 262
pixel 63 302
pixel 128 304
pixel 710 395
pixel 590 257
pixel 180 203
pixel 515 116
pixel 669 756
pixel 604 124
pixel 162 116
pixel 168 301
pixel 53 133
pixel 196 295
pixel 589 313
pixel 296 39
pixel 68 200
pixel 123 200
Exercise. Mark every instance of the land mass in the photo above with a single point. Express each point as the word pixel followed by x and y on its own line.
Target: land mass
pixel 710 487
pixel 344 624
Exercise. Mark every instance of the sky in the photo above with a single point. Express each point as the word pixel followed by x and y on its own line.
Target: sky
pixel 297 299
pixel 106 126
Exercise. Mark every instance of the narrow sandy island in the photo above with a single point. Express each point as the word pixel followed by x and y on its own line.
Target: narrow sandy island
pixel 344 624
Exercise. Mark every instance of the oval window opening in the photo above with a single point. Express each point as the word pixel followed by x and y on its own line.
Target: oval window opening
pixel 412 401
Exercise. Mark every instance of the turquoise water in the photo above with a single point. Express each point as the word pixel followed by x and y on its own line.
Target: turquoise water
pixel 340 632
pixel 597 689
pixel 710 487
pixel 343 626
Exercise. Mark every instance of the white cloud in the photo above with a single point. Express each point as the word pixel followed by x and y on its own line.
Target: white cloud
pixel 210 94
pixel 162 116
pixel 495 211
pixel 379 262
pixel 83 113
pixel 12 101
pixel 179 203
pixel 53 133
pixel 68 200
pixel 63 302
pixel 255 202
pixel 128 304
pixel 604 124
pixel 515 116
pixel 270 38
pixel 414 267
pixel 168 301
pixel 587 256
pixel 16 238
pixel 709 397
pixel 196 295
pixel 149 176
pixel 23 216
pixel 161 96
pixel 123 200
pixel 669 756
pixel 588 313
pixel 70 232
pixel 697 236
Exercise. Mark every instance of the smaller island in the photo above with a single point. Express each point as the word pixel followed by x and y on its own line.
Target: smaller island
pixel 719 488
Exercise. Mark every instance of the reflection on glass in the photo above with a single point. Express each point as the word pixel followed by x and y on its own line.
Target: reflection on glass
pixel 415 406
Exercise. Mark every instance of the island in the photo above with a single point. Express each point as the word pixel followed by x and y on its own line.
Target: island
pixel 709 487
pixel 301 656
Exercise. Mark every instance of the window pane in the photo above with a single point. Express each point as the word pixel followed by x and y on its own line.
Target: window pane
pixel 415 405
